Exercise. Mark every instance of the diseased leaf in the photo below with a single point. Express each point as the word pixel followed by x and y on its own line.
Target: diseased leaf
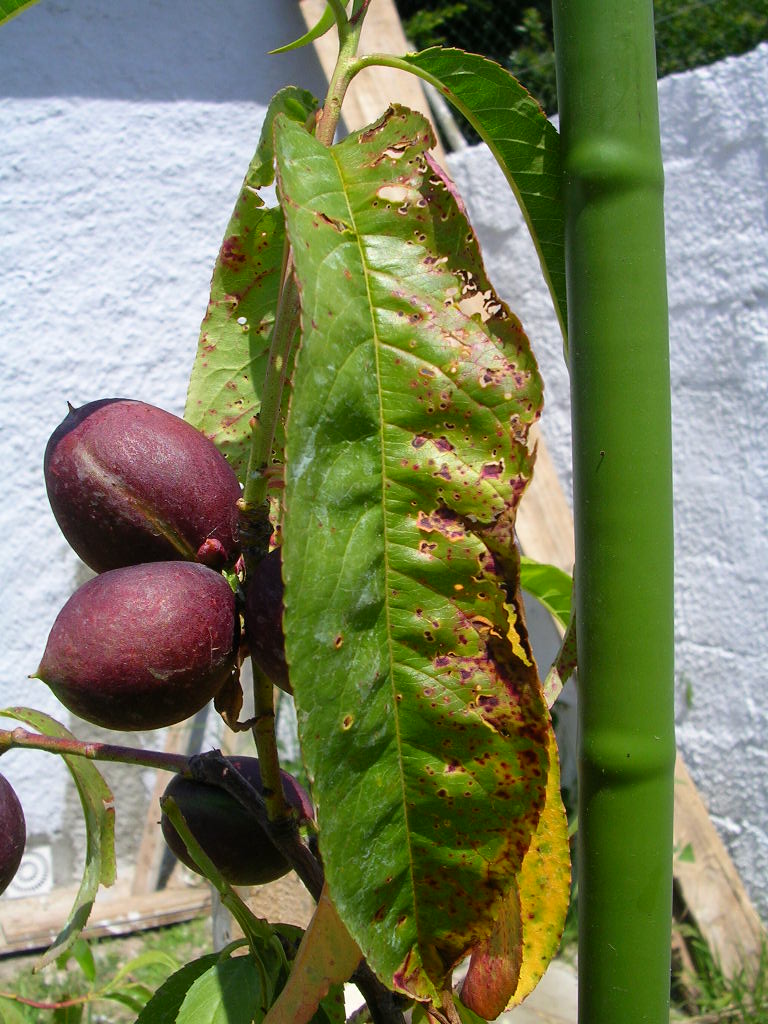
pixel 564 665
pixel 526 146
pixel 551 586
pixel 327 956
pixel 99 811
pixel 228 374
pixel 545 885
pixel 422 723
pixel 494 967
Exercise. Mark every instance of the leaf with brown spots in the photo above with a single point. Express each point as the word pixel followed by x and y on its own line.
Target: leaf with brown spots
pixel 228 373
pixel 508 965
pixel 423 725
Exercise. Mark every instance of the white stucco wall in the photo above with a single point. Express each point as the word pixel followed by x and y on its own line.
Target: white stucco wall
pixel 124 134
pixel 715 143
pixel 125 131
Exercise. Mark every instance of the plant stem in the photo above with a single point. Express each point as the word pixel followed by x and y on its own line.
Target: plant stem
pixel 622 462
pixel 22 738
pixel 266 744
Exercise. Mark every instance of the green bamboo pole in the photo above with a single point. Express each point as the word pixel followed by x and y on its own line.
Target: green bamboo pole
pixel 619 364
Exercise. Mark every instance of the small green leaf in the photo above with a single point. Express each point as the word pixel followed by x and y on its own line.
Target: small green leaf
pixel 686 855
pixel 10 8
pixel 12 1012
pixel 99 811
pixel 327 20
pixel 164 1006
pixel 68 1014
pixel 550 585
pixel 228 374
pixel 228 992
pixel 81 952
pixel 149 958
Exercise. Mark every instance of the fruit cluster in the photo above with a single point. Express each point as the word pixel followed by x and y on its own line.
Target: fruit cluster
pixel 150 505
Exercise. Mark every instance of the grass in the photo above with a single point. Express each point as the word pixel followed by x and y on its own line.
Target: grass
pixel 712 997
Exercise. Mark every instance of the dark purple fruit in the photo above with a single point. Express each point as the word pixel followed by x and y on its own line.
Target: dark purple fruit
pixel 13 833
pixel 264 619
pixel 130 483
pixel 144 646
pixel 228 834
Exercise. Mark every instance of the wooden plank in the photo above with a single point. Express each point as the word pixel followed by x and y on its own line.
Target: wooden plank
pixel 544 521
pixel 710 884
pixel 34 922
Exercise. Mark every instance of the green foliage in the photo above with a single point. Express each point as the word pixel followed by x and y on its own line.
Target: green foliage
pixel 98 808
pixel 10 8
pixel 400 449
pixel 713 996
pixel 388 464
pixel 225 387
pixel 89 978
pixel 518 34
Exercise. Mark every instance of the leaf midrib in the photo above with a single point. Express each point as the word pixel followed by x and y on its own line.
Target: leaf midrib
pixel 359 236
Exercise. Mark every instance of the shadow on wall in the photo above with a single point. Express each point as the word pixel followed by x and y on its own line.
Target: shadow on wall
pixel 155 50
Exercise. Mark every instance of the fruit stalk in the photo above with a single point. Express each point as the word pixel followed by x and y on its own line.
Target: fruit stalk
pixel 266 743
pixel 19 737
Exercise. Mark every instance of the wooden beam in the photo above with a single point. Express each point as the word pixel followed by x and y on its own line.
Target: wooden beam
pixel 34 922
pixel 709 883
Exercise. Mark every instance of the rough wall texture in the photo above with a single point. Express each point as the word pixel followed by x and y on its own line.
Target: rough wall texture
pixel 124 134
pixel 125 131
pixel 715 145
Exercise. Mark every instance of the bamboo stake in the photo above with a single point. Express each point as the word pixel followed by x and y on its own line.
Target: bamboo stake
pixel 623 504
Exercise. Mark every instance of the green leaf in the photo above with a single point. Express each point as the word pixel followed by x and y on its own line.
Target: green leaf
pixel 68 1014
pixel 550 585
pixel 149 958
pixel 515 128
pixel 228 374
pixel 164 1006
pixel 686 855
pixel 327 21
pixel 99 812
pixel 83 955
pixel 12 1012
pixel 10 8
pixel 421 716
pixel 228 992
